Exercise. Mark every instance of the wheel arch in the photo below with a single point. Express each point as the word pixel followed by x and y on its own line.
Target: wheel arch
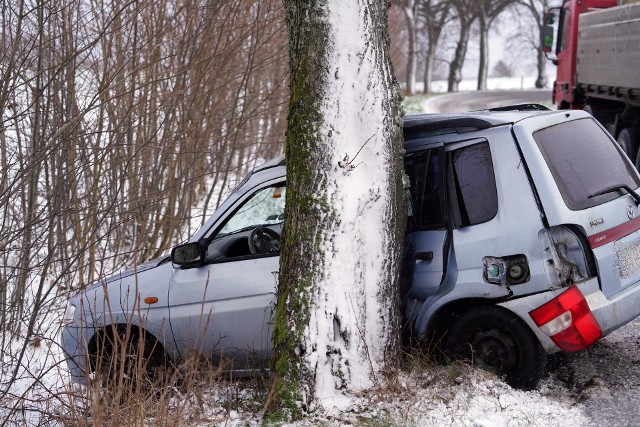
pixel 435 329
pixel 105 336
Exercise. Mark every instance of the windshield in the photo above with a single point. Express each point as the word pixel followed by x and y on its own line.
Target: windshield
pixel 265 207
pixel 585 163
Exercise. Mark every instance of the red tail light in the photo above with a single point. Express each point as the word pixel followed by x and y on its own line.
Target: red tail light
pixel 568 320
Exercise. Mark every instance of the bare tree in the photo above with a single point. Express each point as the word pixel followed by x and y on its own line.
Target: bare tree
pixel 465 13
pixel 121 125
pixel 435 14
pixel 410 9
pixel 337 323
pixel 486 12
pixel 536 8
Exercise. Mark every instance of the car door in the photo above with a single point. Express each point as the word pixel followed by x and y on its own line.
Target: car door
pixel 225 307
pixel 428 234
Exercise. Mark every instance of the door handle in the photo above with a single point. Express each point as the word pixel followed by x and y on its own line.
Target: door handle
pixel 424 256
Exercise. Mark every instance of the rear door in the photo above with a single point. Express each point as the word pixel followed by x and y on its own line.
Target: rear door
pixel 584 179
pixel 427 221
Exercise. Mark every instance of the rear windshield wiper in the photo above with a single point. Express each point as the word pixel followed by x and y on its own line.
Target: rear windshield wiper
pixel 618 187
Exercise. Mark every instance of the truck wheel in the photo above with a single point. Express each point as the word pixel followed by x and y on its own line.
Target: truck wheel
pixel 628 140
pixel 498 341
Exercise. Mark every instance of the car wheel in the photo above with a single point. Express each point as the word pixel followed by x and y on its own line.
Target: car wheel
pixel 128 361
pixel 498 341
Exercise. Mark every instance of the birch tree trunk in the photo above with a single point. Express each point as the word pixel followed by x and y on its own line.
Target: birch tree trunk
pixel 337 322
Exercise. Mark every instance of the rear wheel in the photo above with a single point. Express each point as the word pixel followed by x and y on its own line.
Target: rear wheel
pixel 498 341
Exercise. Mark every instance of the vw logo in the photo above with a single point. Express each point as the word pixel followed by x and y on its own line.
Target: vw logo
pixel 631 212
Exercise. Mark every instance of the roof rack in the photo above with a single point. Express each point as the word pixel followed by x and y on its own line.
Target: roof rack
pixel 521 107
pixel 441 126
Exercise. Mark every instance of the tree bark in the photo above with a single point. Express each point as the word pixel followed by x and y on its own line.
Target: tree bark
pixel 337 320
pixel 465 10
pixel 483 66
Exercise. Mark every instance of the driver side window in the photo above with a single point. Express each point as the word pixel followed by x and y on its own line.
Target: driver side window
pixel 253 229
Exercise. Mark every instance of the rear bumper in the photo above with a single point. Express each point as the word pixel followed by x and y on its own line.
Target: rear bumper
pixel 611 313
pixel 617 310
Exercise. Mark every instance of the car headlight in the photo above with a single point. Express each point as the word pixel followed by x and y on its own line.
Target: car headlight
pixel 69 314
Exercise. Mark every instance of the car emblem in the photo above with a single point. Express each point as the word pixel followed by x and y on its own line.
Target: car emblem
pixel 596 222
pixel 631 212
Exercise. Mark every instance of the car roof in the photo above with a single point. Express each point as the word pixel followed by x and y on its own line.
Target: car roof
pixel 418 126
pixel 428 125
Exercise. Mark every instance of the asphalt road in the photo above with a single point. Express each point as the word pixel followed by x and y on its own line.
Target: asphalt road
pixel 469 101
pixel 604 379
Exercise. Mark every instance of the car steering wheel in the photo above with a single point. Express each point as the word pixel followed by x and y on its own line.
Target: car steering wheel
pixel 263 241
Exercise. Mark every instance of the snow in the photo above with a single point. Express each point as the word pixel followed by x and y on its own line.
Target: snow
pixel 427 395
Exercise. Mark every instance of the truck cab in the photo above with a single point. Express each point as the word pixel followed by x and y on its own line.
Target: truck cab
pixel 597 64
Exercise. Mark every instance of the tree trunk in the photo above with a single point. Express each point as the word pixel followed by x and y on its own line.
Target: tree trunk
pixel 541 80
pixel 410 17
pixel 483 66
pixel 337 321
pixel 455 68
pixel 428 67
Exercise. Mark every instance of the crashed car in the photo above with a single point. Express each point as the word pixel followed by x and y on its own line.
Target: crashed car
pixel 523 240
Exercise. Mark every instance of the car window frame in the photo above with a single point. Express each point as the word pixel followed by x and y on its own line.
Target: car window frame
pixel 209 237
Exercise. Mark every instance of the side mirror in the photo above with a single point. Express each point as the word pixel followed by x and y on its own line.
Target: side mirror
pixel 188 255
pixel 547 38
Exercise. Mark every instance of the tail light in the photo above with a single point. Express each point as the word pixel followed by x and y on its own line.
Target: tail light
pixel 568 320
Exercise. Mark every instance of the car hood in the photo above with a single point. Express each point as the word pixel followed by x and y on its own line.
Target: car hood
pixel 130 272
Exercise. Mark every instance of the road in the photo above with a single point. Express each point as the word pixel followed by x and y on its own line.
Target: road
pixel 605 379
pixel 469 101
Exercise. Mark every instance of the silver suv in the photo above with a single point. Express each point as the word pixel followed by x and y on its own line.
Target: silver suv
pixel 523 240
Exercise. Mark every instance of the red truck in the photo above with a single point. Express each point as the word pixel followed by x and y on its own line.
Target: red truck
pixel 597 52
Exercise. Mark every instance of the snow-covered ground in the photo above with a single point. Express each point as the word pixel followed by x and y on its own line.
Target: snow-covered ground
pixel 600 386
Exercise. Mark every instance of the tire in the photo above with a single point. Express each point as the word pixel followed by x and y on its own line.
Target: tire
pixel 628 140
pixel 601 113
pixel 498 341
pixel 128 360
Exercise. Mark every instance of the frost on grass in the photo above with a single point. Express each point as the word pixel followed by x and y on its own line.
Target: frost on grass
pixel 455 396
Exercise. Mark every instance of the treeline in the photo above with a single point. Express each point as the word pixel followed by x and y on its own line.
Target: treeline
pixel 418 28
pixel 116 119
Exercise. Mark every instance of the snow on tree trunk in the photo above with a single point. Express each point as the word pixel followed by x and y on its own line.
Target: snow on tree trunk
pixel 337 321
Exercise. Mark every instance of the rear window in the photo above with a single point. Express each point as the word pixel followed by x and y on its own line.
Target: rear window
pixel 473 184
pixel 584 161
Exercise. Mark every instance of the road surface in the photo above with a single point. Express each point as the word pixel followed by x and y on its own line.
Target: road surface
pixel 469 101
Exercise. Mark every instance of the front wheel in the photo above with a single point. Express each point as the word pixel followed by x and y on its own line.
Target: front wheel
pixel 128 360
pixel 498 341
